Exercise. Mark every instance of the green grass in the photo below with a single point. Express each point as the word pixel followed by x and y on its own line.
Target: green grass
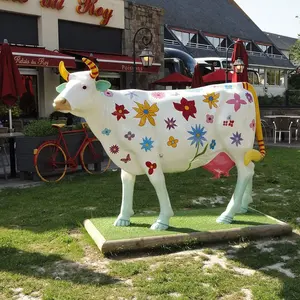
pixel 44 249
pixel 183 222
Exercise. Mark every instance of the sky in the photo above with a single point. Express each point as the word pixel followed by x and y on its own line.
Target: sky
pixel 275 16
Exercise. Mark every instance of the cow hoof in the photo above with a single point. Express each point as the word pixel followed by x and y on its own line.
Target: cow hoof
pixel 243 210
pixel 224 220
pixel 159 226
pixel 122 222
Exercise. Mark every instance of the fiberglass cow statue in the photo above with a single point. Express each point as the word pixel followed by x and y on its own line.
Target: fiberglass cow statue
pixel 157 132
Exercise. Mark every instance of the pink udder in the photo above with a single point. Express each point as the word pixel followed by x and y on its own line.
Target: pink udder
pixel 220 165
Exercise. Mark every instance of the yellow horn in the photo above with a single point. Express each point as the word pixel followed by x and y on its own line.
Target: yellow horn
pixel 63 71
pixel 94 69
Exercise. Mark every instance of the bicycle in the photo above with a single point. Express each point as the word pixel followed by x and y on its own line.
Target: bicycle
pixel 52 159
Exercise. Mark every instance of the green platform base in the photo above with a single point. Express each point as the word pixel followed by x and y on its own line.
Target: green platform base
pixel 188 226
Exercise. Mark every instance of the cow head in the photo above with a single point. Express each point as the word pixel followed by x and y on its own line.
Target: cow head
pixel 79 93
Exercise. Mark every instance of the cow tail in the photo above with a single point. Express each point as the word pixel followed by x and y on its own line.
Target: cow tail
pixel 254 155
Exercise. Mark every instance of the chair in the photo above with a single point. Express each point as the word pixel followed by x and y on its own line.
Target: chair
pixel 3 153
pixel 282 125
pixel 18 125
pixel 267 128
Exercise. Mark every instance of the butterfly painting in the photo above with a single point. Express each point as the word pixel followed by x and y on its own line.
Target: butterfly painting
pixel 127 159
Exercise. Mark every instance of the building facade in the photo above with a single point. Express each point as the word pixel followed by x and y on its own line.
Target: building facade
pixel 209 28
pixel 42 33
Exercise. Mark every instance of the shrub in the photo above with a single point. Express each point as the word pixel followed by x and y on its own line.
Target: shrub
pixel 42 127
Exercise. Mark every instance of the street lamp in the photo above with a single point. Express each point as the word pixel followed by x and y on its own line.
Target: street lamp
pixel 146 55
pixel 238 65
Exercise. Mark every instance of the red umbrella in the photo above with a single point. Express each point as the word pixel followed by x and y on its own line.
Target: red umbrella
pixel 239 51
pixel 216 77
pixel 11 85
pixel 197 80
pixel 174 79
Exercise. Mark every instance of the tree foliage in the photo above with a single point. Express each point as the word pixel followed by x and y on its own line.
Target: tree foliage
pixel 295 52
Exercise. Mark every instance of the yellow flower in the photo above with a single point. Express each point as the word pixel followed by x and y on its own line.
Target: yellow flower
pixel 172 142
pixel 146 112
pixel 212 99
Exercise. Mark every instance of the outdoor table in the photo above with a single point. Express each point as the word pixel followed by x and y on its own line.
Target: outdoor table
pixel 281 116
pixel 11 139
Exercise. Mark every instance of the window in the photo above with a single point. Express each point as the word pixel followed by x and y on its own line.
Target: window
pixel 186 37
pixel 253 77
pixel 263 47
pixel 274 77
pixel 215 41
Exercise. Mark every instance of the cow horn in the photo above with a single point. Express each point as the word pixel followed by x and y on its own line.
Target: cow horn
pixel 94 69
pixel 63 71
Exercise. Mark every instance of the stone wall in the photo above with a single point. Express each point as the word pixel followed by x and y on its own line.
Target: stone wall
pixel 136 17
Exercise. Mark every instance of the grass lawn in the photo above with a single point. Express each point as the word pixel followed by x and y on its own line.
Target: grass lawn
pixel 46 254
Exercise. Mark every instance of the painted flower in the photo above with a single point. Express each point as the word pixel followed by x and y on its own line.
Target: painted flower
pixel 249 97
pixel 237 102
pixel 198 135
pixel 212 100
pixel 147 144
pixel 171 123
pixel 228 86
pixel 236 139
pixel 106 131
pixel 120 112
pixel 212 144
pixel 146 112
pixel 210 118
pixel 129 136
pixel 131 94
pixel 187 108
pixel 172 142
pixel 252 125
pixel 151 167
pixel 108 93
pixel 114 149
pixel 158 95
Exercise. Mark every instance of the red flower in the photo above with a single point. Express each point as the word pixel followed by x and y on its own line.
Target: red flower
pixel 120 112
pixel 114 149
pixel 151 167
pixel 187 107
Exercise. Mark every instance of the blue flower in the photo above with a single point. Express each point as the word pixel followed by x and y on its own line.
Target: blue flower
pixel 147 144
pixel 106 131
pixel 198 135
pixel 228 86
pixel 212 144
pixel 131 94
pixel 236 139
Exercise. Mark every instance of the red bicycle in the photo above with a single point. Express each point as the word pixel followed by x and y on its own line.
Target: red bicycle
pixel 52 159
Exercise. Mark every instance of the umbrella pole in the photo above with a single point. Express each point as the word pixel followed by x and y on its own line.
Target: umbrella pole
pixel 10 119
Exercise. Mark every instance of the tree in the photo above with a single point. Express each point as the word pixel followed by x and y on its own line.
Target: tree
pixel 295 52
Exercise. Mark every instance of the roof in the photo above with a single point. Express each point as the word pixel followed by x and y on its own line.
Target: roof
pixel 282 42
pixel 222 17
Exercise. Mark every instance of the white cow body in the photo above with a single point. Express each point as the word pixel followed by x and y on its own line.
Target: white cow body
pixel 135 130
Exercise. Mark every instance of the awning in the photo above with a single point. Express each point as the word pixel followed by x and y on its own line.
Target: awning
pixel 30 56
pixel 116 63
pixel 174 79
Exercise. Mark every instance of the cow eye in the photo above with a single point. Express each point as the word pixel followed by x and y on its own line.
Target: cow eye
pixel 84 87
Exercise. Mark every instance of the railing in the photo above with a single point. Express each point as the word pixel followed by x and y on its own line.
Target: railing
pixel 171 42
pixel 277 56
pixel 199 46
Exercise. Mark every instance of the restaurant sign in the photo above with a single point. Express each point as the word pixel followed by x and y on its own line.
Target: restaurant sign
pixel 55 4
pixel 38 62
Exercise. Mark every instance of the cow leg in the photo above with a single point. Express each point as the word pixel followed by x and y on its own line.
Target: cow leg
pixel 157 179
pixel 245 173
pixel 247 198
pixel 128 181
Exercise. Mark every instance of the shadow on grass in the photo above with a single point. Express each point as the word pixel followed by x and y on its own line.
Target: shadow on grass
pixel 49 266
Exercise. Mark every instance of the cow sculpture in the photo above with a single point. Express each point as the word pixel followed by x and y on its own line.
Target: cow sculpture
pixel 157 132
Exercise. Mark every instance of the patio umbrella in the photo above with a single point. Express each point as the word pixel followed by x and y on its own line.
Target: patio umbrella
pixel 174 79
pixel 11 85
pixel 216 77
pixel 197 80
pixel 239 51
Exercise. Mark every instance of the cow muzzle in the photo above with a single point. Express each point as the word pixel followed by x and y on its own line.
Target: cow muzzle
pixel 61 104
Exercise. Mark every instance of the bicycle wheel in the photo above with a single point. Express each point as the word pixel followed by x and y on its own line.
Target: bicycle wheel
pixel 50 162
pixel 91 157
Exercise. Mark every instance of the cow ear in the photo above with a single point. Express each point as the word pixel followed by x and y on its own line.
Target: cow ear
pixel 102 85
pixel 61 87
